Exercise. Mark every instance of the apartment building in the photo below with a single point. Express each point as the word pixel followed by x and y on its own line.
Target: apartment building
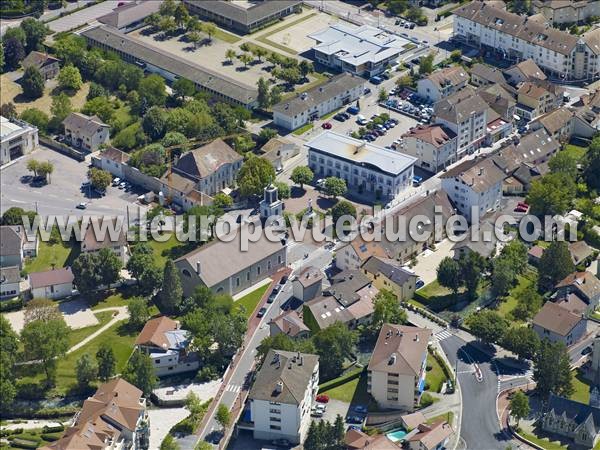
pixel 10 282
pixel 560 12
pixel 366 168
pixel 280 401
pixel 558 324
pixel 442 83
pixel 536 98
pixel 85 132
pixel 17 138
pixel 318 101
pixel 99 235
pixel 483 75
pixel 434 146
pixel 396 371
pixel 386 273
pixel 475 183
pixel 465 114
pixel 516 38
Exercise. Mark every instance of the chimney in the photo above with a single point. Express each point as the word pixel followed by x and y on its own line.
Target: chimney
pixel 480 171
pixel 279 387
pixel 198 267
pixel 301 361
pixel 392 360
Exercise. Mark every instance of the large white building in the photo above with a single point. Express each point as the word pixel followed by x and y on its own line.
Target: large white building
pixel 517 37
pixel 474 183
pixel 442 83
pixel 566 11
pixel 396 372
pixel 17 138
pixel 282 396
pixel 367 168
pixel 318 101
pixel 434 146
pixel 364 50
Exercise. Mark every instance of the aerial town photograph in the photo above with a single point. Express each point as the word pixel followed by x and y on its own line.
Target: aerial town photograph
pixel 299 224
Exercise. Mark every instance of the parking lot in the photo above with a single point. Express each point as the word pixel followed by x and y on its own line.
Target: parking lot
pixel 64 191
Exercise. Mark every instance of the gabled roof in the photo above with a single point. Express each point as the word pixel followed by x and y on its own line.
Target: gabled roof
pixel 488 73
pixel 480 174
pixel 53 277
pixel 450 76
pixel 114 154
pixel 390 268
pixel 309 275
pixel 123 16
pixel 400 349
pixel 154 332
pixel 557 319
pixel 11 240
pixel 87 125
pixel 290 323
pixel 358 440
pixel 206 160
pixel 534 146
pixel 345 286
pixel 94 239
pixel 460 105
pixel 529 69
pixel 580 413
pixel 580 251
pixel 284 377
pixel 10 275
pixel 430 436
pixel 585 282
pixel 38 60
pixel 436 135
pixel 555 120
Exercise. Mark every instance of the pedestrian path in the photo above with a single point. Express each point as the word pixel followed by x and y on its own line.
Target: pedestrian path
pixel 441 335
pixel 233 388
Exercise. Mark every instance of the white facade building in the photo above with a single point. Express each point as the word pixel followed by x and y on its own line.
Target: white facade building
pixel 281 399
pixel 54 284
pixel 434 146
pixel 17 138
pixel 366 168
pixel 318 101
pixel 85 132
pixel 442 83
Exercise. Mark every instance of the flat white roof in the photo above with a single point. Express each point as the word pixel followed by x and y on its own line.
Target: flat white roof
pixel 7 127
pixel 356 151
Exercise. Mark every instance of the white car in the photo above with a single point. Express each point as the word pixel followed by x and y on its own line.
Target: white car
pixel 116 181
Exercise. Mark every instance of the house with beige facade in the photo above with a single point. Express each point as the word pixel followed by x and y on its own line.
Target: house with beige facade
pixel 558 324
pixel 85 132
pixel 389 274
pixel 559 12
pixel 435 146
pixel 54 284
pixel 442 83
pixel 98 235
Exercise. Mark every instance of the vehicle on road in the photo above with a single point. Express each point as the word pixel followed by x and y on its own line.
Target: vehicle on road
pixel 81 205
pixel 361 409
pixel 586 350
pixel 376 80
pixel 261 312
pixel 283 279
pixel 326 125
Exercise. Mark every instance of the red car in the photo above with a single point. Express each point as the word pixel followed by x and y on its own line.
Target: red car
pixel 521 208
pixel 326 125
pixel 322 398
pixel 523 204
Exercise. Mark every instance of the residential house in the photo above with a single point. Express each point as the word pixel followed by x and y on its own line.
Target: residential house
pixel 526 70
pixel 586 121
pixel 46 64
pixel 10 282
pixel 356 439
pixel 113 418
pixel 474 186
pixel 360 50
pixel 581 252
pixel 571 419
pixel 442 83
pixel 412 420
pixel 114 160
pixel 534 255
pixel 484 241
pixel 282 396
pixel 289 323
pixel 497 128
pixel 212 167
pixel 388 274
pixel 225 268
pixel 368 169
pixel 308 284
pixel 396 371
pixel 168 347
pixel 278 150
pixel 353 254
pixel 585 284
pixel 483 75
pixel 54 284
pixel 17 138
pixel 85 132
pixel 243 17
pixel 560 12
pixel 558 123
pixel 106 233
pixel 501 98
pixel 557 324
pixel 514 37
pixel 318 101
pixel 535 99
pixel 572 302
pixel 16 245
pixel 430 437
pixel 434 146
pixel 465 113
pixel 129 16
pixel 349 300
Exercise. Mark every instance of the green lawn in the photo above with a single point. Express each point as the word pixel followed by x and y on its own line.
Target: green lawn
pixel 56 254
pixel 34 436
pixel 79 334
pixel 319 78
pixel 225 36
pixel 303 129
pixel 353 391
pixel 436 376
pixel 169 249
pixel 448 417
pixel 575 150
pixel 596 315
pixel 527 279
pixel 109 299
pixel 249 301
pixel 582 388
pixel 543 442
pixel 123 115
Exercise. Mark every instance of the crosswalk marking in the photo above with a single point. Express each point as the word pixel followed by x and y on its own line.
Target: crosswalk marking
pixel 235 388
pixel 441 335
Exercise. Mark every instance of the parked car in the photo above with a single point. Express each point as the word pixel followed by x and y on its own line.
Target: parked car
pixel 321 407
pixel 281 442
pixel 339 117
pixel 271 298
pixel 419 284
pixel 317 413
pixel 116 181
pixel 283 279
pixel 586 350
pixel 261 312
pixel 367 91
pixel 326 125
pixel 81 205
pixel 353 110
pixel 376 80
pixel 322 398
pixel 361 409
pixel 361 120
pixel 417 180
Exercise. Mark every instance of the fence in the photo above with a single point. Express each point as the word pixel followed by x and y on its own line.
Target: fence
pixel 62 148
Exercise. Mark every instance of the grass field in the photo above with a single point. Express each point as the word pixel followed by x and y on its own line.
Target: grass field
pixel 169 249
pixel 543 442
pixel 109 299
pixel 56 254
pixel 225 36
pixel 448 417
pixel 80 334
pixel 319 78
pixel 524 281
pixel 582 388
pixel 249 301
pixel 575 150
pixel 436 376
pixel 303 129
pixel 353 391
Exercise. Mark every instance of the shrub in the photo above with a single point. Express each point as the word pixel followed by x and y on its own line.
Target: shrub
pixel 54 429
pixel 11 305
pixel 426 400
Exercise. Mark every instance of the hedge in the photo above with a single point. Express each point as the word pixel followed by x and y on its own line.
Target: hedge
pixel 11 305
pixel 51 437
pixel 22 443
pixel 340 380
pixel 54 429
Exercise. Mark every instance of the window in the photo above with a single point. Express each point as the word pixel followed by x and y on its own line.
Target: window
pixel 268 265
pixel 275 411
pixel 258 270
pixel 237 281
pixel 186 273
pixel 275 427
pixel 248 276
pixel 275 419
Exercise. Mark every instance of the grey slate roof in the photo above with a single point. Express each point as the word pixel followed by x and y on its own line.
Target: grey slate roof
pixel 338 85
pixel 142 52
pixel 580 413
pixel 533 146
pixel 10 275
pixel 293 370
pixel 204 161
pixel 391 268
pixel 460 105
pixel 38 59
pixel 127 14
pixel 10 240
pixel 88 125
pixel 346 284
pixel 479 174
pixel 489 73
pixel 246 16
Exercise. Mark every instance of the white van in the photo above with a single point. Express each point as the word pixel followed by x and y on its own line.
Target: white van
pixel 361 120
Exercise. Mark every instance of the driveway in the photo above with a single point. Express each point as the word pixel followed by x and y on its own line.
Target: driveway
pixel 428 261
pixel 161 421
pixel 334 408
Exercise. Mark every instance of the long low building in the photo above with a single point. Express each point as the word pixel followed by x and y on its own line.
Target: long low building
pixel 17 138
pixel 154 60
pixel 318 101
pixel 367 168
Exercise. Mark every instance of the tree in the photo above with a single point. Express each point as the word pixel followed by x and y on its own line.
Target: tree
pixel 503 277
pixel 37 118
pixel 516 253
pixel 552 370
pixel 262 52
pixel 106 361
pixel 342 208
pixel 42 309
pixel 230 55
pixel 14 52
pixel 555 264
pixel 101 107
pixel 169 443
pixel 108 266
pixel 44 341
pixel 405 81
pixel 171 292
pixel 69 78
pixel 551 194
pixel 139 313
pixel 255 174
pixel 334 187
pixel 130 137
pixel 387 309
pixel 194 37
pixel 302 175
pixel 333 344
pixel 283 189
pixel 167 8
pixel 448 274
pixel 487 325
pixel 167 25
pixel 14 216
pixel 173 138
pixel 519 406
pixel 564 162
pixel 152 90
pixel 45 169
pixel 426 64
pixel 32 83
pixel 33 165
pixel 591 164
pixel 210 29
pixel 154 123
pixel 245 58
pixel 61 107
pixel 264 101
pixel 86 370
pixel 182 88
pixel 8 110
pixel 383 95
pixel 306 67
pixel 222 200
pixel 181 15
pixel 523 341
pixel 84 268
pixel 35 33
pixel 529 302
pixel 152 20
pixel 223 416
pixel 471 268
pixel 100 179
pixel 140 372
pixel 9 343
pixel 140 263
